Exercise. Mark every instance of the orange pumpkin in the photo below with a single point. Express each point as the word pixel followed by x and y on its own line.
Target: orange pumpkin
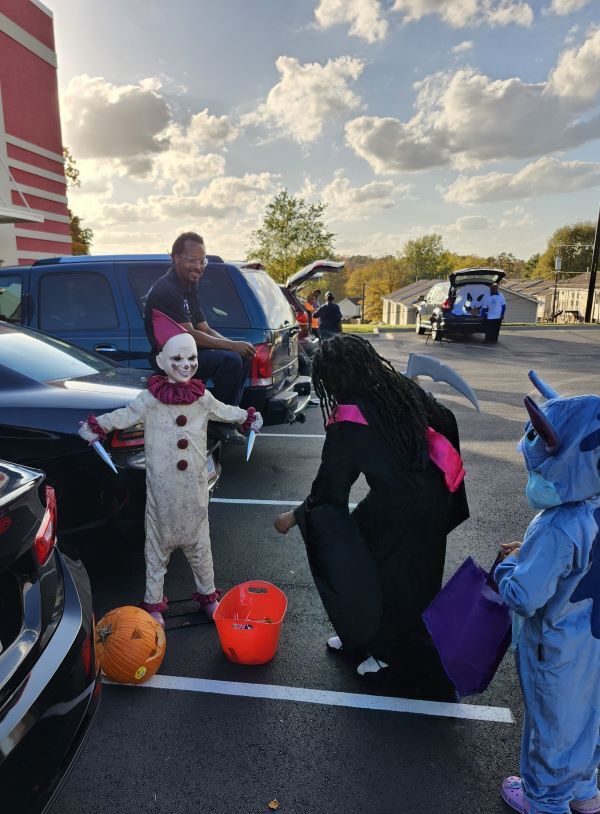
pixel 130 645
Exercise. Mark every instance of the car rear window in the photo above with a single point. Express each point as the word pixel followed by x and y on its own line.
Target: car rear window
pixel 273 301
pixel 45 359
pixel 218 296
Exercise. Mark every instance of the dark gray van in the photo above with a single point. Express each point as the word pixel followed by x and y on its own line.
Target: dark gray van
pixel 97 303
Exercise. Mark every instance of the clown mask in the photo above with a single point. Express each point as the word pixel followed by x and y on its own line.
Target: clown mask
pixel 179 358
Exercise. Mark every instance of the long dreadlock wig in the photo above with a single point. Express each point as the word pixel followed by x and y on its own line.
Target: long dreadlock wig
pixel 347 365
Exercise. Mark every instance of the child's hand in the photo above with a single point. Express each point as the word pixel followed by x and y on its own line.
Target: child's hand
pixel 510 549
pixel 257 423
pixel 86 432
pixel 284 522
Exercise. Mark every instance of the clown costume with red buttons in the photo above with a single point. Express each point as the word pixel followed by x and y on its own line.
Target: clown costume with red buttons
pixel 175 411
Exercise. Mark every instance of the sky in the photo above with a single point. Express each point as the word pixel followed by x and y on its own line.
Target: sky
pixel 475 119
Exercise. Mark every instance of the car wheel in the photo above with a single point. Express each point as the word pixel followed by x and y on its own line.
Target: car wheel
pixel 436 332
pixel 418 326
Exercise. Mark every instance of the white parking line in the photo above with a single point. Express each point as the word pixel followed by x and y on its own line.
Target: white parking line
pixel 327 698
pixel 247 502
pixel 289 435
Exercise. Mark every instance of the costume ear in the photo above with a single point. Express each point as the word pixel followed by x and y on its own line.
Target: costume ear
pixel 543 388
pixel 542 426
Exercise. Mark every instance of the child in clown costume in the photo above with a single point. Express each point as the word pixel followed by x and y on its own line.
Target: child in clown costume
pixel 552 581
pixel 175 411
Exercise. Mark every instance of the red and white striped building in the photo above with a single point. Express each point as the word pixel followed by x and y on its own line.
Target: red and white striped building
pixel 34 222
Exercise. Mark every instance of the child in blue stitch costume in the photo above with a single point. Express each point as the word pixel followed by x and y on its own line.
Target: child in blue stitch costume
pixel 552 582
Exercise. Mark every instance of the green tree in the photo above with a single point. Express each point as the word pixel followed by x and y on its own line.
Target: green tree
pixel 573 243
pixel 293 234
pixel 81 239
pixel 426 257
pixel 531 264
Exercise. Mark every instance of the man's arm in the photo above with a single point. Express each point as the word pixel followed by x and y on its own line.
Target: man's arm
pixel 206 337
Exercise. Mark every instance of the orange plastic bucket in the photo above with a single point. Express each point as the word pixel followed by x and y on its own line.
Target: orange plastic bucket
pixel 248 621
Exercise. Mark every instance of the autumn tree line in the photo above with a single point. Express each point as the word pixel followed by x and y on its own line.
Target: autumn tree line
pixel 294 233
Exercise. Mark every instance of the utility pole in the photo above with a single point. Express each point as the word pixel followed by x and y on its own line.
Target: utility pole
pixel 557 267
pixel 593 269
pixel 362 310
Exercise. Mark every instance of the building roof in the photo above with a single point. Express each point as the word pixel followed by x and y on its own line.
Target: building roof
pixel 353 300
pixel 578 281
pixel 410 293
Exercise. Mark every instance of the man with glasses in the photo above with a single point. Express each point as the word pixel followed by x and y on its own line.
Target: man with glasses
pixel 224 361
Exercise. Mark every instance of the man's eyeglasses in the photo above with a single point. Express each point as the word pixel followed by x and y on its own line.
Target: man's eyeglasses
pixel 195 261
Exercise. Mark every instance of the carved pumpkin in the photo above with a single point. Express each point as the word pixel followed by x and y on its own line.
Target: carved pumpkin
pixel 130 645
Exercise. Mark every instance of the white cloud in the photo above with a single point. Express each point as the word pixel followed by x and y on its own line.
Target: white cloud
pixel 307 96
pixel 364 16
pixel 547 175
pixel 226 209
pixel 464 46
pixel 562 7
pixel 211 130
pixel 129 130
pixel 472 223
pixel 125 122
pixel 345 202
pixel 516 217
pixel 465 118
pixel 463 13
pixel 576 78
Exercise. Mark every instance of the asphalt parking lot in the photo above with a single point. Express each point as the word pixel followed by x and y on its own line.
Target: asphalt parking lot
pixel 210 736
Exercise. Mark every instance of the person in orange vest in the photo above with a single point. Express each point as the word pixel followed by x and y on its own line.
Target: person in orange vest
pixel 311 305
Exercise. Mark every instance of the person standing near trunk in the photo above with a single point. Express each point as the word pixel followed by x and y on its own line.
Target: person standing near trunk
pixel 330 317
pixel 493 309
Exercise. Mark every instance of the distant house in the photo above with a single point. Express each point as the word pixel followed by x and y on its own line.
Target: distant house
pixel 350 308
pixel 570 301
pixel 399 306
pixel 538 288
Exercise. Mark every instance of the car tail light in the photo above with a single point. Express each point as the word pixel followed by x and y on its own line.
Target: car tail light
pixel 131 437
pixel 302 317
pixel 261 370
pixel 45 538
pixel 447 305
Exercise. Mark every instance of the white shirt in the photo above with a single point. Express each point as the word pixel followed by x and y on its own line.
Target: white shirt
pixel 494 304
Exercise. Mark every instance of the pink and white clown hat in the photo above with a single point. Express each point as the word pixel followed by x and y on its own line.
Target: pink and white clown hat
pixel 165 328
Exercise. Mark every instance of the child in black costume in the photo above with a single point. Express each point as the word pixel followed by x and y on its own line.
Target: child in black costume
pixel 378 568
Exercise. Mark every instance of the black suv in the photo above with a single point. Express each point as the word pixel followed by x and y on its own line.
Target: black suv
pixel 97 303
pixel 454 306
pixel 49 685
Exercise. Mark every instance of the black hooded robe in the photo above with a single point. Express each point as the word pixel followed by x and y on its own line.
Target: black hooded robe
pixel 378 567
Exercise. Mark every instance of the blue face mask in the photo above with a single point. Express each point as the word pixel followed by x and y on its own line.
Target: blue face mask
pixel 541 494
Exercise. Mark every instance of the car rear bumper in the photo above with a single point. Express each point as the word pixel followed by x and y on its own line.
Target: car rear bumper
pixel 462 325
pixel 43 726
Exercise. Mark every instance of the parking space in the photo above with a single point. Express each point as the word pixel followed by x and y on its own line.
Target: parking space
pixel 303 728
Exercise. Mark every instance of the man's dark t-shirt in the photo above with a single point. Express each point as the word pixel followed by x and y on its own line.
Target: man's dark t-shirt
pixel 173 298
pixel 329 316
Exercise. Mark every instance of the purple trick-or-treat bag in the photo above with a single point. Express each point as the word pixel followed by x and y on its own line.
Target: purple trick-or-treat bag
pixel 470 627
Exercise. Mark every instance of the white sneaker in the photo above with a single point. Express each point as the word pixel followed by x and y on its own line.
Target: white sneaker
pixel 370 665
pixel 334 643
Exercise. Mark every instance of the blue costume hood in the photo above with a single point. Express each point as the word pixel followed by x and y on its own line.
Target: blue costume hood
pixel 561 447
